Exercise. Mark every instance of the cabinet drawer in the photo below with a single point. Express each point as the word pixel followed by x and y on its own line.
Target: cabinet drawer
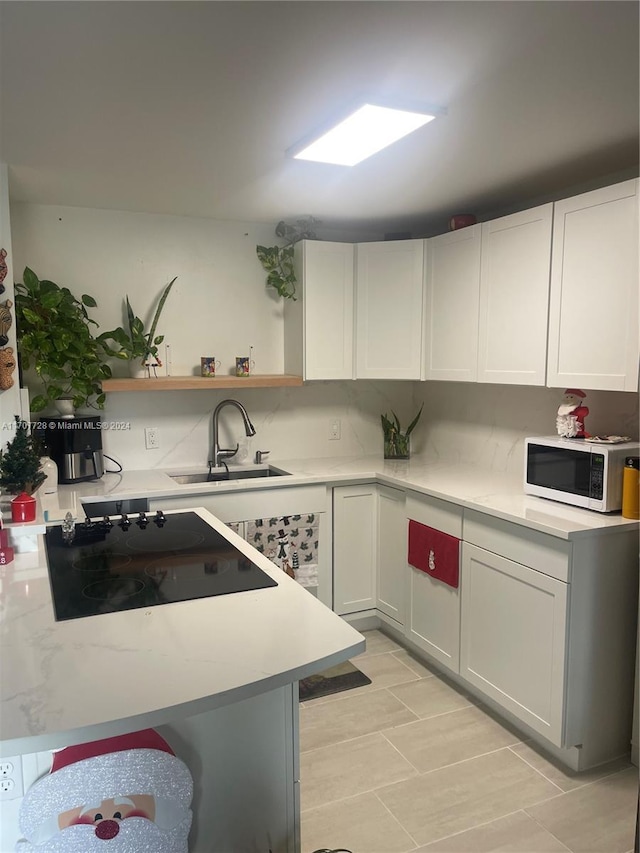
pixel 539 551
pixel 435 553
pixel 250 504
pixel 436 513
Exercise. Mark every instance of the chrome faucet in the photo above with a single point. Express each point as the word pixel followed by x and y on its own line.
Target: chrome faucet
pixel 219 454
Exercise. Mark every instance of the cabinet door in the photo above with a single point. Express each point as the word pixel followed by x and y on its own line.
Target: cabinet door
pixel 433 622
pixel 513 627
pixel 391 560
pixel 354 548
pixel 322 321
pixel 514 297
pixel 593 320
pixel 451 305
pixel 389 286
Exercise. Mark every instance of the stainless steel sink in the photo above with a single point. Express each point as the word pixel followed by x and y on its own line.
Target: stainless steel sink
pixel 234 474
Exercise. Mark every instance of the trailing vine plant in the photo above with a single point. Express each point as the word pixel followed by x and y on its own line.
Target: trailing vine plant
pixel 278 260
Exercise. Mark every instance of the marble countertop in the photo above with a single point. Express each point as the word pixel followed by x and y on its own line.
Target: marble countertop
pixel 82 679
pixel 143 667
pixel 468 486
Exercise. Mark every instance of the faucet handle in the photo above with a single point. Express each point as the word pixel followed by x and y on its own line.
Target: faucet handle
pixel 260 454
pixel 228 452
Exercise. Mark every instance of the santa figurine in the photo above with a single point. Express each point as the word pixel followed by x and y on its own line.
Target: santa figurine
pixel 125 794
pixel 571 414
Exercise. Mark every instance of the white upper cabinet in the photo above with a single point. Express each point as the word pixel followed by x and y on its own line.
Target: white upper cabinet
pixel 514 297
pixel 593 328
pixel 319 324
pixel 452 287
pixel 389 288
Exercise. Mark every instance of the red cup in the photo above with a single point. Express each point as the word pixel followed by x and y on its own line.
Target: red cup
pixel 23 508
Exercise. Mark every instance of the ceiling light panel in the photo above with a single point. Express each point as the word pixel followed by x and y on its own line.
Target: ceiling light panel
pixel 366 131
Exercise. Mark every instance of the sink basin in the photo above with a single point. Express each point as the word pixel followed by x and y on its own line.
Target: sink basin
pixel 221 474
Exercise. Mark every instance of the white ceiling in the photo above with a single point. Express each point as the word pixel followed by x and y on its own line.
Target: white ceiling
pixel 188 107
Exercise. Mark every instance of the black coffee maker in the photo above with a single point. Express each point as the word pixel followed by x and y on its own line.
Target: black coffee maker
pixel 75 445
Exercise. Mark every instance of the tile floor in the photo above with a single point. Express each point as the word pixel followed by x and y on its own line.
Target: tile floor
pixel 410 763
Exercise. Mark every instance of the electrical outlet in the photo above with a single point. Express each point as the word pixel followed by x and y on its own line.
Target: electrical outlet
pixel 11 778
pixel 335 430
pixel 151 438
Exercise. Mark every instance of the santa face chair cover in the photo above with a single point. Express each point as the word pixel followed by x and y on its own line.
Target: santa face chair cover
pixel 127 794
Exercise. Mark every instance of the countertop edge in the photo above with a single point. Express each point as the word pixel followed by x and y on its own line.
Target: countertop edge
pixel 162 716
pixel 499 497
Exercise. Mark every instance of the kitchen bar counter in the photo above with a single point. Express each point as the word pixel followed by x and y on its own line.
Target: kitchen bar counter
pixel 470 487
pixel 82 679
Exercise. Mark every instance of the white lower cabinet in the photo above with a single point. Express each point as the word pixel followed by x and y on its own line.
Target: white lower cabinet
pixel 433 605
pixel 354 548
pixel 513 637
pixel 548 631
pixel 434 618
pixel 390 562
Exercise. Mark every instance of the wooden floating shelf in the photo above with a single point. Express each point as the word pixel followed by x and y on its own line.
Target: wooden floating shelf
pixel 200 383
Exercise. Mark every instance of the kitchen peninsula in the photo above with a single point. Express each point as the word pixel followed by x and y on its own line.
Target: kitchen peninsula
pixel 217 676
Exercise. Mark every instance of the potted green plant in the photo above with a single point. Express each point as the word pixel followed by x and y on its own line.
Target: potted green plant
pixel 134 343
pixel 20 467
pixel 397 443
pixel 55 337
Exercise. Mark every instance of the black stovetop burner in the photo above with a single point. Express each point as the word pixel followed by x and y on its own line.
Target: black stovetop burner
pixel 110 565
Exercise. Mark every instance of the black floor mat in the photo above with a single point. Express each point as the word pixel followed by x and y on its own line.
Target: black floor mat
pixel 343 676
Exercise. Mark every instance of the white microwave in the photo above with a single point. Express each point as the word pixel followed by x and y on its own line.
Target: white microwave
pixel 577 472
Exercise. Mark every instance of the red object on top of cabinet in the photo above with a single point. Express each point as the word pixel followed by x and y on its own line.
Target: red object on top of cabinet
pixel 435 553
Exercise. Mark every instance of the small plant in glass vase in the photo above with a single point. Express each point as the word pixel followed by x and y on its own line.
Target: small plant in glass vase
pixel 136 345
pixel 397 443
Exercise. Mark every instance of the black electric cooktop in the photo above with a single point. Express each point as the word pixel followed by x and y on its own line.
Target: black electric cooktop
pixel 142 561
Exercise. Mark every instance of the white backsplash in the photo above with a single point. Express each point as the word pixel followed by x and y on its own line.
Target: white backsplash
pixel 486 424
pixel 475 424
pixel 290 422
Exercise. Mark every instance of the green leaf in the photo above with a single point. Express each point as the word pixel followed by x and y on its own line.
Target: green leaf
pixel 89 301
pixel 30 280
pixel 414 421
pixel 163 299
pixel 50 298
pixel 38 403
pixel 31 316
